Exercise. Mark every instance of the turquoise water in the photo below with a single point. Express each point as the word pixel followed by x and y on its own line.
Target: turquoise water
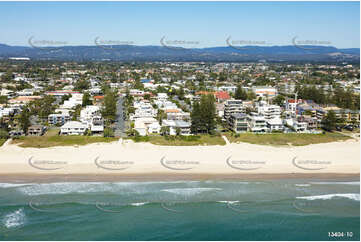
pixel 181 210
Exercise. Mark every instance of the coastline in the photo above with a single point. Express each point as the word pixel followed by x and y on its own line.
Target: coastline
pixel 128 161
pixel 164 177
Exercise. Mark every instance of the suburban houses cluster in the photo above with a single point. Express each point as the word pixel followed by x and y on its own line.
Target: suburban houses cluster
pixel 248 97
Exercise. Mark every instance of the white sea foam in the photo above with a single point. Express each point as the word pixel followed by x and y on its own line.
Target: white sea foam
pixel 88 187
pixel 302 185
pixel 190 191
pixel 228 202
pixel 139 204
pixel 14 219
pixel 337 183
pixel 353 196
pixel 7 185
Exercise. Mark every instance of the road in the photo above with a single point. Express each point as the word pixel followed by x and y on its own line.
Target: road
pixel 119 123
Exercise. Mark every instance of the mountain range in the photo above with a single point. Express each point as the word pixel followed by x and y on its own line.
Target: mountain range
pixel 290 53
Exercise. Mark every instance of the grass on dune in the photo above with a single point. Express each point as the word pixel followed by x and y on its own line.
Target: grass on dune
pixel 51 138
pixel 286 139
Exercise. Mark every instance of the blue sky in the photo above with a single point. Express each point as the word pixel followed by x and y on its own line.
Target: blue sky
pixel 208 23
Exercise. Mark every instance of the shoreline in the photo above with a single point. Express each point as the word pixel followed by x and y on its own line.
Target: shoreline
pixel 35 178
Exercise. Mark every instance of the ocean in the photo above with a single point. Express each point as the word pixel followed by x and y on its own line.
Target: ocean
pixel 181 210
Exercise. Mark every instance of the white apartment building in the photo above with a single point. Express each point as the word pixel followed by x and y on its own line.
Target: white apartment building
pixel 91 117
pixel 143 110
pixel 73 128
pixel 275 124
pixel 257 124
pixel 269 111
pixel 233 107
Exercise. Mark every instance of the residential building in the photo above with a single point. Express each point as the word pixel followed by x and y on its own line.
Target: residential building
pixel 275 124
pixel 269 111
pixel 58 119
pixel 265 91
pixel 185 127
pixel 233 107
pixel 257 124
pixel 73 128
pixel 238 122
pixel 36 130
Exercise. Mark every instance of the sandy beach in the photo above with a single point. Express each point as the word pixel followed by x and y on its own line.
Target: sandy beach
pixel 125 160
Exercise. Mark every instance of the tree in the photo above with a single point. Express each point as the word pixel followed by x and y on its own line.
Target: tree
pixel 240 94
pixel 203 115
pixel 279 99
pixel 25 119
pixel 195 117
pixel 4 134
pixel 110 105
pixel 329 121
pixel 161 115
pixel 3 99
pixel 178 131
pixel 86 99
pixel 81 85
pixel 108 132
pixel 165 130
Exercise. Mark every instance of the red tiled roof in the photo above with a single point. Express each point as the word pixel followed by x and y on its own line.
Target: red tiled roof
pixel 222 95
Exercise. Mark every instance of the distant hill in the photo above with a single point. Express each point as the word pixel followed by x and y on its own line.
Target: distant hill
pixel 160 53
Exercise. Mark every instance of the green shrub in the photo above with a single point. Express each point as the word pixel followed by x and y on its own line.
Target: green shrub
pixel 4 134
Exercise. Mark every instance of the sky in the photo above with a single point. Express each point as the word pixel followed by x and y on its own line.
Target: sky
pixel 186 24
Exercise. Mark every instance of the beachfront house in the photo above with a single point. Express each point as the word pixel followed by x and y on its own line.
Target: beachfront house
pixel 36 130
pixel 146 125
pixel 73 128
pixel 295 125
pixel 183 126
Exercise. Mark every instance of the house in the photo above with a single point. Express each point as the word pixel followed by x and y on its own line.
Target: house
pixel 58 118
pixel 97 100
pixel 146 125
pixel 23 99
pixel 297 126
pixel 60 93
pixel 238 122
pixel 311 121
pixel 185 127
pixel 231 89
pixel 36 130
pixel 177 115
pixel 73 128
pixel 291 105
pixel 265 91
pixel 17 132
pixel 222 96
